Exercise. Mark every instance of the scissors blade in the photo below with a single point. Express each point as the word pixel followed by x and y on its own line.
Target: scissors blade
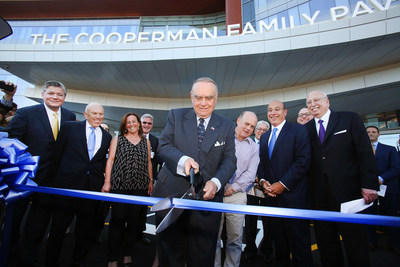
pixel 173 214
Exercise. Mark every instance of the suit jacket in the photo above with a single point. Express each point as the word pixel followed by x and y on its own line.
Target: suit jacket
pixel 155 160
pixel 216 156
pixel 345 160
pixel 32 127
pixel 289 163
pixel 388 164
pixel 73 168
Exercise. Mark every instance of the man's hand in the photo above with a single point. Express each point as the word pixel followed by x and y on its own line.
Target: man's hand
pixel 266 186
pixel 9 94
pixel 369 195
pixel 277 188
pixel 191 163
pixel 229 191
pixel 209 190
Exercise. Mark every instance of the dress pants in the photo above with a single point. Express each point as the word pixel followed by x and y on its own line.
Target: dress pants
pixel 234 233
pixel 190 241
pixel 250 229
pixel 37 222
pixel 65 210
pixel 355 238
pixel 291 236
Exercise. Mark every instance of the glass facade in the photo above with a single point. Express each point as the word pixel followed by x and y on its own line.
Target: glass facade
pixel 109 30
pixel 269 10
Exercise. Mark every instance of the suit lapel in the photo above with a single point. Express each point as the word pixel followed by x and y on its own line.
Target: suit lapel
pixel 44 120
pixel 82 138
pixel 190 131
pixel 331 125
pixel 210 136
pixel 281 137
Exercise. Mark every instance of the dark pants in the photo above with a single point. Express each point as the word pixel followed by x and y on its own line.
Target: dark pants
pixel 65 211
pixel 250 229
pixel 389 206
pixel 355 238
pixel 37 223
pixel 291 236
pixel 124 226
pixel 190 240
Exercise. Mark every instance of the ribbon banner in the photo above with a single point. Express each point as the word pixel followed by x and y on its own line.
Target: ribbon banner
pixel 16 168
pixel 224 207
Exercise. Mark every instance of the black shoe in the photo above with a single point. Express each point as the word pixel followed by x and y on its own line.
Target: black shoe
pixel 145 241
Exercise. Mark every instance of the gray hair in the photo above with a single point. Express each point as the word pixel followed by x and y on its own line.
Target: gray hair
pixel 262 122
pixel 54 84
pixel 147 115
pixel 205 79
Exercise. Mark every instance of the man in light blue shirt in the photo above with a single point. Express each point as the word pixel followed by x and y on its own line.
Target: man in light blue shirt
pixel 235 189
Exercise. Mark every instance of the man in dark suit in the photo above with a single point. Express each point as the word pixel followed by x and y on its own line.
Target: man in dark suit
pixel 284 162
pixel 388 164
pixel 200 139
pixel 342 169
pixel 37 127
pixel 80 164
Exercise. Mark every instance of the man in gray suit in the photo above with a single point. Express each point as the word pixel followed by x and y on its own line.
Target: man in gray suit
pixel 200 139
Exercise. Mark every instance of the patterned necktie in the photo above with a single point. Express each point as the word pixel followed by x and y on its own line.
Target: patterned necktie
pixel 321 131
pixel 200 132
pixel 91 143
pixel 54 125
pixel 272 142
pixel 373 148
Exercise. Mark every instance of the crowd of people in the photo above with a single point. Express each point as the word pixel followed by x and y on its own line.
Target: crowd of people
pixel 325 159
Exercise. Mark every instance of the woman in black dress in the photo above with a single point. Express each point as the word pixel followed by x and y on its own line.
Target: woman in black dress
pixel 128 171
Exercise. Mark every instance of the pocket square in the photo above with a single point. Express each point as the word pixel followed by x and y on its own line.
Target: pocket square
pixel 343 131
pixel 219 144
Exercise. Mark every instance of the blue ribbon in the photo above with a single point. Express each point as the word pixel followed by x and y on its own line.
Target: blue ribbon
pixel 16 168
pixel 225 207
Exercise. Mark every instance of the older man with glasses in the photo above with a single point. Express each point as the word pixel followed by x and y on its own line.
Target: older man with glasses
pixel 304 116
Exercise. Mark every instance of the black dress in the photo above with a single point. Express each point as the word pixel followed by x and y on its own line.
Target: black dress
pixel 129 176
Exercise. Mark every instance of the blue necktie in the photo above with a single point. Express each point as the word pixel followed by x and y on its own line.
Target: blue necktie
pixel 272 142
pixel 200 132
pixel 321 131
pixel 91 143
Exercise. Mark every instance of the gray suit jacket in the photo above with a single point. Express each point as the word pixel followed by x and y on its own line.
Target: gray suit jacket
pixel 216 156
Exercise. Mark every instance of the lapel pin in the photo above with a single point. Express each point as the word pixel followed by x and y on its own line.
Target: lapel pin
pixel 212 128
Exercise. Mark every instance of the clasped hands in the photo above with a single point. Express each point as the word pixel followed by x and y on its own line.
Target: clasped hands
pixel 272 190
pixel 210 188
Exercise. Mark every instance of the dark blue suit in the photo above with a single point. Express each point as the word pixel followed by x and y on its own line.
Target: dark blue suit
pixel 289 163
pixel 75 170
pixel 388 164
pixel 31 126
pixel 193 237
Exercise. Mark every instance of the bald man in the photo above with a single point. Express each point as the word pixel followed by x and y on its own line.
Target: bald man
pixel 79 164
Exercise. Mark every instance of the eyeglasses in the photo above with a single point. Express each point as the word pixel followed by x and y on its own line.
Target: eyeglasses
pixel 309 102
pixel 304 114
pixel 149 123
